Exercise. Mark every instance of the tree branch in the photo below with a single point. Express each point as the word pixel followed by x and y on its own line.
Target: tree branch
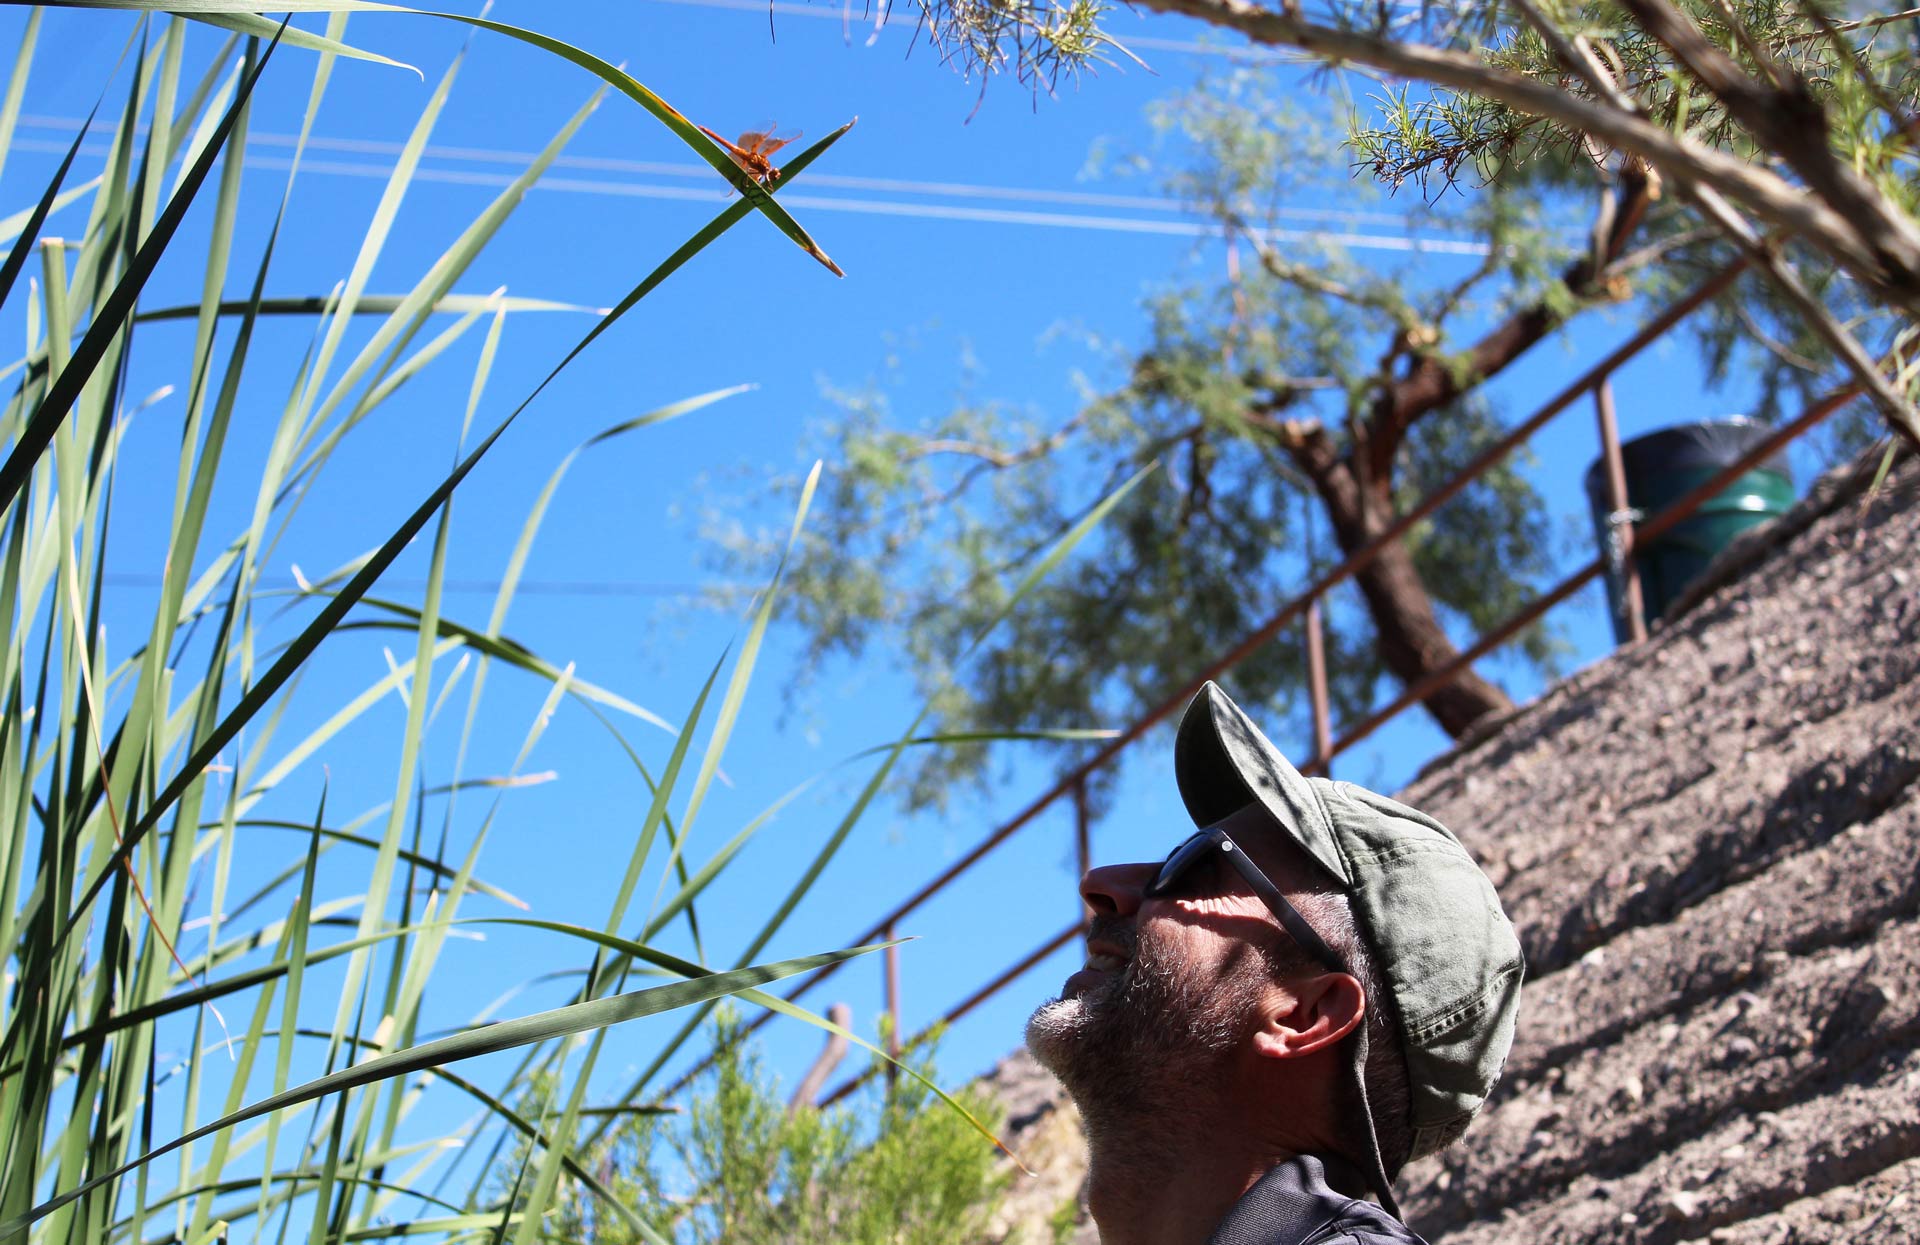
pixel 1434 380
pixel 1678 157
pixel 1792 124
pixel 992 458
pixel 1893 405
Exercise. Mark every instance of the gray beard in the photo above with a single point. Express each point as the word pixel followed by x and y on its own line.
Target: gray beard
pixel 1143 1042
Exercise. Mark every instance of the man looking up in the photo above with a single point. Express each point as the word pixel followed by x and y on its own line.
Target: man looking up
pixel 1316 988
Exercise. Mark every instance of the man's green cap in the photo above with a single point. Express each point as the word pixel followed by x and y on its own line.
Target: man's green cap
pixel 1440 942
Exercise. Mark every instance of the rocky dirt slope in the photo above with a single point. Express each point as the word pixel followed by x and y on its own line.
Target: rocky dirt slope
pixel 1711 847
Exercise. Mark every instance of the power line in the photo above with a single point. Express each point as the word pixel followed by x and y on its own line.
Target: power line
pixel 526 587
pixel 873 207
pixel 694 169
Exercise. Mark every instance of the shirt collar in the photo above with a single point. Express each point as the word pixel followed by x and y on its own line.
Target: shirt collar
pixel 1292 1200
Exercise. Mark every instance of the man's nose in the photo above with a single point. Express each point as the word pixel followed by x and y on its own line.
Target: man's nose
pixel 1116 890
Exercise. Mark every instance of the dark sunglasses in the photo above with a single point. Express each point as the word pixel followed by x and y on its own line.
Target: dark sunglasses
pixel 1215 839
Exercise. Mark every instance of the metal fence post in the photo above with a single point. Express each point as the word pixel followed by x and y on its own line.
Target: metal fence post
pixel 1082 843
pixel 1317 690
pixel 893 1006
pixel 1620 516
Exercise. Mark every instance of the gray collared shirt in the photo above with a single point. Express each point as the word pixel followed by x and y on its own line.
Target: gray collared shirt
pixel 1293 1204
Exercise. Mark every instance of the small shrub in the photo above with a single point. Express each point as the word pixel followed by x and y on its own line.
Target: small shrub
pixel 896 1167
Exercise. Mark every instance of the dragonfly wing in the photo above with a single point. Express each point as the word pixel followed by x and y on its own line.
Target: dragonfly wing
pixel 750 140
pixel 771 143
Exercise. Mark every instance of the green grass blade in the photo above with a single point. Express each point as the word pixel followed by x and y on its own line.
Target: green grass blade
pixel 17 84
pixel 260 27
pixel 759 998
pixel 504 1035
pixel 30 227
pixel 742 676
pixel 367 304
pixel 112 316
pixel 330 615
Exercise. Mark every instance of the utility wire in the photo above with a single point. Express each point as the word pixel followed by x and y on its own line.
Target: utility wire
pixel 1409 243
pixel 526 587
pixel 694 169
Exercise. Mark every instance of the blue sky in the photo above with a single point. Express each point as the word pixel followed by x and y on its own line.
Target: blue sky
pixel 961 231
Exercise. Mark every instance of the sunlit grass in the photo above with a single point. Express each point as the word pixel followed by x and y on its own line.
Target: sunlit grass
pixel 127 777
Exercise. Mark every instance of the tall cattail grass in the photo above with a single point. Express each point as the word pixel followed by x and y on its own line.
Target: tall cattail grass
pixel 122 767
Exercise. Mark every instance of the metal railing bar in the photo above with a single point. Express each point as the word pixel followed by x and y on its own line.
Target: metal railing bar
pixel 1620 516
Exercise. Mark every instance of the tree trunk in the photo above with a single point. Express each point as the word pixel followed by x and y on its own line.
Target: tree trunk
pixel 1412 644
pixel 1410 640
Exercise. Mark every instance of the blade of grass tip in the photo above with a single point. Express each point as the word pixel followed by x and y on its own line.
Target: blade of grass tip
pixel 112 315
pixel 536 516
pixel 29 230
pixel 10 227
pixel 483 366
pixel 737 684
pixel 341 718
pixel 504 1035
pixel 446 689
pixel 17 84
pixel 330 615
pixel 253 24
pixel 377 231
pixel 529 529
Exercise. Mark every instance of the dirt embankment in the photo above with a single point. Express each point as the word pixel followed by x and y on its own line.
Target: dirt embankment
pixel 1711 847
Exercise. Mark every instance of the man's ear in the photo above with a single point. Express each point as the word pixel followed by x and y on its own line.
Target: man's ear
pixel 1309 1014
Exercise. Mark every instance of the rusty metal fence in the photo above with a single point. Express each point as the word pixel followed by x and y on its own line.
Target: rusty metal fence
pixel 1624 532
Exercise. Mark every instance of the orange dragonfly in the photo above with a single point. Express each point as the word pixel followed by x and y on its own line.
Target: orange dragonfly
pixel 753 149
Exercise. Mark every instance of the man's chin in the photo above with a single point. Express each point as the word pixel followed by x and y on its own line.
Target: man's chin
pixel 1056 1031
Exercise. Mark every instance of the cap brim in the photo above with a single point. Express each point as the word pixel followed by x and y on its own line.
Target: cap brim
pixel 1223 763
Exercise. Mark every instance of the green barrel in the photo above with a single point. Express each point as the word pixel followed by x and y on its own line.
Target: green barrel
pixel 1661 468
